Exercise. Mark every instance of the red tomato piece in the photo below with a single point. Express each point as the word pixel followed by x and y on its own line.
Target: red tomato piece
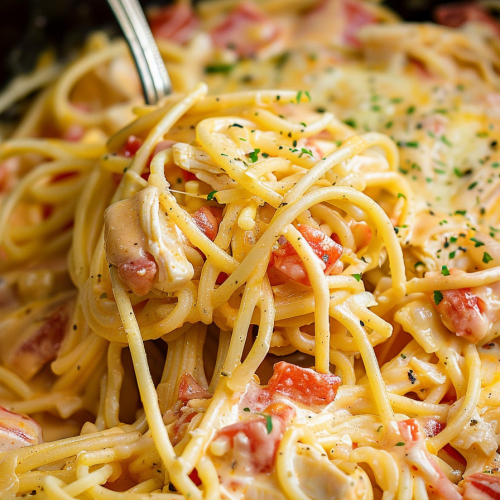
pixel 457 14
pixel 190 389
pixel 221 278
pixel 246 30
pixel 481 487
pixel 357 16
pixel 208 220
pixel 286 259
pixel 139 274
pixel 42 346
pixel 303 384
pixel 461 311
pixel 188 176
pixel 176 23
pixel 255 441
pixel 131 147
pixel 433 427
pixel 454 454
pixel 195 477
pixel 409 430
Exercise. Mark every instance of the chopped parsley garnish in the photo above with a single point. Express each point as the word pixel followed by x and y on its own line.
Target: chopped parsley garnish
pixel 357 277
pixel 265 155
pixel 210 196
pixel 477 242
pixel 103 296
pixel 445 271
pixel 236 125
pixel 219 68
pixel 444 140
pixel 400 443
pixel 470 187
pixel 401 195
pixel 403 356
pixel 305 151
pixel 389 124
pixel 269 423
pixel 411 144
pixel 438 297
pixel 460 212
pixel 396 100
pixel 351 122
pixel 418 264
pixel 410 110
pixel 487 257
pixel 254 155
pixel 246 409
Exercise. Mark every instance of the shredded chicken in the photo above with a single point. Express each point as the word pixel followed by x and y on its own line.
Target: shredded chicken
pixel 144 245
pixel 196 161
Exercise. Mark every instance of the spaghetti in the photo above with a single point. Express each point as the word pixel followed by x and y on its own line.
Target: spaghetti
pixel 253 293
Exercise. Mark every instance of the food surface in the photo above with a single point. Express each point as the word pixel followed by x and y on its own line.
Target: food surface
pixel 281 282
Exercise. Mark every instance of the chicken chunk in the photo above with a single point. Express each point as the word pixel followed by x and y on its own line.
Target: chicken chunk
pixel 144 245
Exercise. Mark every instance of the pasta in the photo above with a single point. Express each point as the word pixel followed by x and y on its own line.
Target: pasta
pixel 280 282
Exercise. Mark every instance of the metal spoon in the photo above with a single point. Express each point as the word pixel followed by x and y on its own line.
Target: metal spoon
pixel 152 72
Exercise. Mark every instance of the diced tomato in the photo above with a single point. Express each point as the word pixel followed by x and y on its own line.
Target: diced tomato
pixel 253 439
pixel 357 16
pixel 131 147
pixel 190 389
pixel 188 176
pixel 409 430
pixel 221 278
pixel 457 14
pixel 195 477
pixel 481 487
pixel 303 384
pixel 461 311
pixel 454 454
pixel 139 274
pixel 17 431
pixel 175 22
pixel 208 220
pixel 438 485
pixel 41 346
pixel 276 277
pixel 286 259
pixel 433 427
pixel 246 30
